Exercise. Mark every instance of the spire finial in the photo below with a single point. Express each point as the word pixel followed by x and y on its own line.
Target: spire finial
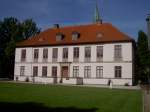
pixel 97 18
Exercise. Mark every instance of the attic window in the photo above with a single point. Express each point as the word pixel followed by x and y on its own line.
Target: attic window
pixel 99 35
pixel 75 36
pixel 59 36
pixel 41 39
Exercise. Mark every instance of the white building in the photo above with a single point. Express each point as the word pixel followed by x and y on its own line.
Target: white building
pixel 85 54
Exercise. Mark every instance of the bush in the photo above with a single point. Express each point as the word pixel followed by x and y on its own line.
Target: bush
pixel 126 84
pixel 27 79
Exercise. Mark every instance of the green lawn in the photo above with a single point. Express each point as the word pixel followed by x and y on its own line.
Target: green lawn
pixel 54 98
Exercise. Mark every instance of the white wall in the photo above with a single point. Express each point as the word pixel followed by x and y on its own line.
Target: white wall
pixel 108 61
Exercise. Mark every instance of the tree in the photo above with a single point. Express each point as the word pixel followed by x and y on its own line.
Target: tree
pixel 143 56
pixel 29 28
pixel 12 31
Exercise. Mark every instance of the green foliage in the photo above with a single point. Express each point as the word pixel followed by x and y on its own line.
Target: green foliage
pixel 29 28
pixel 143 56
pixel 11 32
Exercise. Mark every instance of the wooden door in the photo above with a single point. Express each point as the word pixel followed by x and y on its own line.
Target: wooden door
pixel 65 72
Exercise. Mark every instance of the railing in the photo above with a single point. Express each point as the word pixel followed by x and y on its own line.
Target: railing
pixel 44 59
pixel 87 59
pixel 75 59
pixel 23 59
pixel 65 60
pixel 117 58
pixel 99 59
pixel 54 59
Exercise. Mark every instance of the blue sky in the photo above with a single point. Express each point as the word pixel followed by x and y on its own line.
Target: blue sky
pixel 128 15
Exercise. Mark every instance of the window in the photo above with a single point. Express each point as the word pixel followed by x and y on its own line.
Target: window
pixel 87 54
pixel 45 53
pixel 99 53
pixel 23 54
pixel 65 54
pixel 118 52
pixel 59 36
pixel 99 71
pixel 76 71
pixel 44 71
pixel 76 54
pixel 75 36
pixel 22 70
pixel 118 71
pixel 36 54
pixel 55 54
pixel 54 71
pixel 87 71
pixel 100 35
pixel 35 71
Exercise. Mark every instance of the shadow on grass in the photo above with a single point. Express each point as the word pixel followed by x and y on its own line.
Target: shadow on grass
pixel 38 107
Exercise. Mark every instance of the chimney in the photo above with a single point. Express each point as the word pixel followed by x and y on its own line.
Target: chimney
pixel 56 26
pixel 148 30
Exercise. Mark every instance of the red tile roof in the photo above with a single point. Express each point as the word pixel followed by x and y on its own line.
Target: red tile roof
pixel 88 35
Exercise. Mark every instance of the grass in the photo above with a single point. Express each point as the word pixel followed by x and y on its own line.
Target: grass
pixel 53 98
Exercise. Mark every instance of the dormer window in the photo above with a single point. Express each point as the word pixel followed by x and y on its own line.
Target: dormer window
pixel 59 36
pixel 99 36
pixel 75 36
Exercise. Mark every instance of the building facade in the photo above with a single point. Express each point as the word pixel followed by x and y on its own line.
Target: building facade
pixel 85 54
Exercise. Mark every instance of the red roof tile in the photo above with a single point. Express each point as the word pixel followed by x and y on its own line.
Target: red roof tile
pixel 88 34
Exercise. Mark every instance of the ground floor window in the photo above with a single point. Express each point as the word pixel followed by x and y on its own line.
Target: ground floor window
pixel 44 71
pixel 75 71
pixel 118 71
pixel 87 71
pixel 22 70
pixel 54 71
pixel 99 71
pixel 35 71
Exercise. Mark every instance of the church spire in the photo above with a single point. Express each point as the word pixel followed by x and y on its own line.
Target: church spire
pixel 97 18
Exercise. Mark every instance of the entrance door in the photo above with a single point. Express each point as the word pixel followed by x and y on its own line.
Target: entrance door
pixel 65 72
pixel 54 74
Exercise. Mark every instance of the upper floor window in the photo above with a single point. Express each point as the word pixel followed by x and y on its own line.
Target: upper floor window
pixel 22 70
pixel 45 53
pixel 55 54
pixel 87 71
pixel 44 71
pixel 87 54
pixel 76 54
pixel 118 52
pixel 118 71
pixel 99 71
pixel 65 54
pixel 75 71
pixel 35 71
pixel 36 54
pixel 59 36
pixel 75 36
pixel 23 54
pixel 99 53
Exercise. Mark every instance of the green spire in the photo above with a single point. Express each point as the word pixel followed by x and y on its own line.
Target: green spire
pixel 97 18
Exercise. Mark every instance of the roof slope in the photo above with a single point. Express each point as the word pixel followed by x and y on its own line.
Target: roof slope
pixel 88 34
